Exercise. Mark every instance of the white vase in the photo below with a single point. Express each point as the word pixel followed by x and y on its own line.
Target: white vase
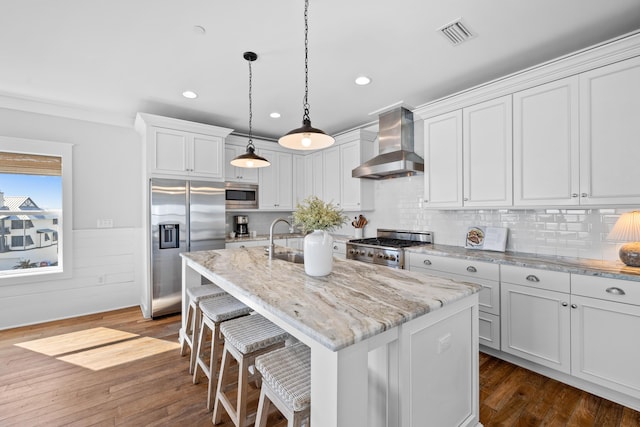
pixel 318 253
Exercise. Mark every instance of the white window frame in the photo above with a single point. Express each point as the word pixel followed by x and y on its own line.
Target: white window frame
pixel 64 270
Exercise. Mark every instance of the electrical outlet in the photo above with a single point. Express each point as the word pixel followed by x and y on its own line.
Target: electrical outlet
pixel 105 223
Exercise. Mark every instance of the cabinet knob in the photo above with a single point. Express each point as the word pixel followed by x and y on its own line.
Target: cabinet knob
pixel 584 195
pixel 533 278
pixel 574 195
pixel 242 246
pixel 426 262
pixel 335 248
pixel 466 199
pixel 574 305
pixel 471 269
pixel 615 291
pixel 564 303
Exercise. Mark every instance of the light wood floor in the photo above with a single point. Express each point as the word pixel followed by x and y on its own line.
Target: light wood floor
pixel 117 368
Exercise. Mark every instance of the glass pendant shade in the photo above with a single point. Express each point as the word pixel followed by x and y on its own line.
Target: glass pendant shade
pixel 306 138
pixel 250 160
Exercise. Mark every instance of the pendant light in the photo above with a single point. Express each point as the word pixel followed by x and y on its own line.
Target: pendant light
pixel 250 159
pixel 306 137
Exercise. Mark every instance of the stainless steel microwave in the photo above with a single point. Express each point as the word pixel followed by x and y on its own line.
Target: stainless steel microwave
pixel 241 196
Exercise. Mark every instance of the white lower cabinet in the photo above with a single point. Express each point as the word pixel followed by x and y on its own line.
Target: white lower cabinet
pixel 247 244
pixel 484 274
pixel 340 249
pixel 604 333
pixel 536 325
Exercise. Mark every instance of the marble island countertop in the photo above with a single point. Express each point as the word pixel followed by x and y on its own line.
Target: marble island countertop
pixel 585 266
pixel 356 301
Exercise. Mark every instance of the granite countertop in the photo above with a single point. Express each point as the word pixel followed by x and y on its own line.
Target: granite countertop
pixel 336 237
pixel 263 237
pixel 585 266
pixel 356 301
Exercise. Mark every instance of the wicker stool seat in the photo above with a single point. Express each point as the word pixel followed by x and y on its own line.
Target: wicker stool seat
pixel 286 383
pixel 214 312
pixel 245 339
pixel 194 318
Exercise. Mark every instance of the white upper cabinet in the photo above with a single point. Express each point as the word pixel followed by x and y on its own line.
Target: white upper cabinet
pixel 609 129
pixel 487 153
pixel 317 174
pixel 331 176
pixel 546 145
pixel 443 160
pixel 180 148
pixel 300 191
pixel 468 155
pixel 328 172
pixel 233 173
pixel 275 181
pixel 357 193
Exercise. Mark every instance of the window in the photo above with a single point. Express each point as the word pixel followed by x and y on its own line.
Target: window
pixel 35 210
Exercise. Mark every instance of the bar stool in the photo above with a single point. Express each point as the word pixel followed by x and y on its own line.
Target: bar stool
pixel 245 339
pixel 192 325
pixel 214 311
pixel 286 382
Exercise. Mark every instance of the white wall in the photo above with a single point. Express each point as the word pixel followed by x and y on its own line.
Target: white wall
pixel 106 177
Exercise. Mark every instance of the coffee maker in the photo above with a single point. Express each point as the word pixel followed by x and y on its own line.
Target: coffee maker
pixel 241 225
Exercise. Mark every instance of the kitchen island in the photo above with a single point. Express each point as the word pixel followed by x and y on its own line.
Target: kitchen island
pixel 388 347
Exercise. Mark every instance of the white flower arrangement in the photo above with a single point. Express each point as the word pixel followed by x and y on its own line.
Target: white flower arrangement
pixel 314 214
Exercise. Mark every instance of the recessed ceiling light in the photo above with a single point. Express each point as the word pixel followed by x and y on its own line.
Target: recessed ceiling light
pixel 274 115
pixel 362 80
pixel 189 94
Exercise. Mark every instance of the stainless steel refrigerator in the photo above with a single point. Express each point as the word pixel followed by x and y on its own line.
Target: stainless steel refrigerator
pixel 185 216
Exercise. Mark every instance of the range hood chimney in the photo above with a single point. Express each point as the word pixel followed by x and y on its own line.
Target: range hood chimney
pixel 395 139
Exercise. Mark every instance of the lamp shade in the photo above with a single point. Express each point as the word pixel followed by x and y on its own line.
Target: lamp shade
pixel 250 160
pixel 306 138
pixel 627 228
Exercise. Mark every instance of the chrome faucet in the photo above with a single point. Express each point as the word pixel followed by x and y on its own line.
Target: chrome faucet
pixel 271 245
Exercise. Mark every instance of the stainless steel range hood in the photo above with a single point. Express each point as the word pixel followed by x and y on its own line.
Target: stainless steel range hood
pixel 395 139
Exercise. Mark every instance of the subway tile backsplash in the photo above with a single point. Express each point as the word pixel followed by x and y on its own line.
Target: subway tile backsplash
pixel 572 232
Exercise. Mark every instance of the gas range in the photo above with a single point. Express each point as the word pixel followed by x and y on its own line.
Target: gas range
pixel 388 247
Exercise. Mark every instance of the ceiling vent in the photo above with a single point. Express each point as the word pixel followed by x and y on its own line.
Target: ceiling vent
pixel 456 32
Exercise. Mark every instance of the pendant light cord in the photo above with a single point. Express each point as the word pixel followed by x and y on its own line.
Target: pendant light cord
pixel 305 105
pixel 250 107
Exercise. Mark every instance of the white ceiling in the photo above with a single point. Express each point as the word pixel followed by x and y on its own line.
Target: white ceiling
pixel 125 56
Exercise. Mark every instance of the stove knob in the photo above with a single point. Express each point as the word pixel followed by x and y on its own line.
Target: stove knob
pixel 370 254
pixel 390 257
pixel 353 251
pixel 380 255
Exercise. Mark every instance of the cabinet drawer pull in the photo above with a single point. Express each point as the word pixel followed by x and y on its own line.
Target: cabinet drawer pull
pixel 532 278
pixel 564 303
pixel 615 291
pixel 426 262
pixel 574 195
pixel 584 195
pixel 574 306
pixel 471 269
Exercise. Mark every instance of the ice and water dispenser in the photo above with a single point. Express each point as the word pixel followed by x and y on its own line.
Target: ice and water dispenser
pixel 169 236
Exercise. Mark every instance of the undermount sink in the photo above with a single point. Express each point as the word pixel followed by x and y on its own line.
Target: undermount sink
pixel 291 256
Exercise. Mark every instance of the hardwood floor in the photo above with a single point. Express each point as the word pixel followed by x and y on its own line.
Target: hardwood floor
pixel 117 368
